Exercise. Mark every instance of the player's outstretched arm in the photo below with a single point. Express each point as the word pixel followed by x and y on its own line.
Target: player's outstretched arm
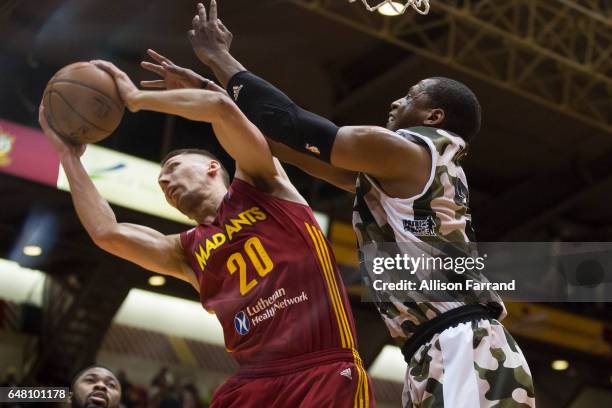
pixel 401 166
pixel 211 42
pixel 341 178
pixel 239 137
pixel 141 245
pixel 173 76
pixel 176 77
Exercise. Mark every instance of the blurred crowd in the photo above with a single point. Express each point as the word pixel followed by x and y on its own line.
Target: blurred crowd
pixel 164 391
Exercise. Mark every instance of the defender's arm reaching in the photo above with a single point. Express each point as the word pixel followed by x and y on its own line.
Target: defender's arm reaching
pixel 239 137
pixel 175 77
pixel 402 167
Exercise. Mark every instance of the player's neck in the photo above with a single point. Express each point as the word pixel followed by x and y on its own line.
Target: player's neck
pixel 207 211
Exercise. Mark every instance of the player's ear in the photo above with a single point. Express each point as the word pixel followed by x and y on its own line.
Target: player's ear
pixel 213 167
pixel 435 117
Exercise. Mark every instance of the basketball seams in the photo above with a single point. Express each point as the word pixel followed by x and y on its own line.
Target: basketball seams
pixel 51 92
pixel 79 83
pixel 88 107
pixel 49 115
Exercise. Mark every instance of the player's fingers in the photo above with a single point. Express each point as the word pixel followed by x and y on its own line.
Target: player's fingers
pixel 157 56
pixel 223 27
pixel 107 66
pixel 120 77
pixel 201 12
pixel 177 71
pixel 213 10
pixel 103 65
pixel 195 22
pixel 159 83
pixel 157 69
pixel 99 63
pixel 173 68
pixel 191 35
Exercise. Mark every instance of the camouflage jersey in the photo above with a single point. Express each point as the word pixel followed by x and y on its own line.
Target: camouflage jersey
pixel 439 215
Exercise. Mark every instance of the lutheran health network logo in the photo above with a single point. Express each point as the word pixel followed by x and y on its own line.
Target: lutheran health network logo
pixel 264 309
pixel 242 323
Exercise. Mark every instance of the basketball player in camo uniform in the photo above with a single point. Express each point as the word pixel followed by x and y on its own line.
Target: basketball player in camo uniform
pixel 410 188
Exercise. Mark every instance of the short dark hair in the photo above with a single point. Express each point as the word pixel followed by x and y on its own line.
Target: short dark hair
pixel 80 373
pixel 462 112
pixel 201 152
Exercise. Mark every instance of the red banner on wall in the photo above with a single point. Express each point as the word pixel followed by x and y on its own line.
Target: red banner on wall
pixel 27 153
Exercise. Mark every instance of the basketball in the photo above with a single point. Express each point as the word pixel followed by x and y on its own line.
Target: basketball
pixel 82 104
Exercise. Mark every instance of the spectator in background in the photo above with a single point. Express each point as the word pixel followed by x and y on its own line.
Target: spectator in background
pixel 131 396
pixel 95 387
pixel 164 393
pixel 190 397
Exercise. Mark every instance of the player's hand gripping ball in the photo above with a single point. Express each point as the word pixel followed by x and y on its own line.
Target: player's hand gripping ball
pixel 82 104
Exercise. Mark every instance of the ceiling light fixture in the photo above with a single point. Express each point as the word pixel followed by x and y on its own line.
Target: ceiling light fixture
pixel 157 280
pixel 560 365
pixel 32 250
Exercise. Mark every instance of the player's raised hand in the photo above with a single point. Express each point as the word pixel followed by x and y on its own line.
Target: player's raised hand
pixel 61 146
pixel 127 90
pixel 174 77
pixel 209 37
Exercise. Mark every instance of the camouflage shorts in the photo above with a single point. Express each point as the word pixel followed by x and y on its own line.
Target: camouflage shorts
pixel 471 365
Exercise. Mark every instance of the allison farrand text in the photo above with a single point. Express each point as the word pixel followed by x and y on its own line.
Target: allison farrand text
pixel 440 285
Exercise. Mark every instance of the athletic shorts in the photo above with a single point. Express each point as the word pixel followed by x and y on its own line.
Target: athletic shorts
pixel 323 379
pixel 471 365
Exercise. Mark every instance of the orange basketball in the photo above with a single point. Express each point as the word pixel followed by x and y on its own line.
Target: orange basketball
pixel 82 103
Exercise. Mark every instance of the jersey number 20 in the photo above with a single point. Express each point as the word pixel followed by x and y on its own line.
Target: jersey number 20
pixel 258 257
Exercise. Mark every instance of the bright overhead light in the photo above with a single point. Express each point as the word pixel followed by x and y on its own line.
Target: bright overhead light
pixel 157 280
pixel 169 315
pixel 32 250
pixel 559 365
pixel 388 9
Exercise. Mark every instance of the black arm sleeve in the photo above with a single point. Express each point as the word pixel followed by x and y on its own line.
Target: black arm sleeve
pixel 279 118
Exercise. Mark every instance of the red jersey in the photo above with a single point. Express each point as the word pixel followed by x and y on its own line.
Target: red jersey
pixel 267 271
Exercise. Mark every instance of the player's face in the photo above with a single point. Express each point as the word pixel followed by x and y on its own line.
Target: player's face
pixel 96 387
pixel 184 180
pixel 411 110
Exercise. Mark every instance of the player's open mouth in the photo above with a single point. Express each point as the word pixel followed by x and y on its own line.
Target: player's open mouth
pixel 98 398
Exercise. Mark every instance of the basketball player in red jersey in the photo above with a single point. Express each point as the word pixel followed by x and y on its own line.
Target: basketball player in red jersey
pixel 257 257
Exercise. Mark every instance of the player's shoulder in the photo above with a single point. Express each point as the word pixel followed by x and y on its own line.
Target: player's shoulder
pixel 431 133
pixel 278 189
pixel 187 237
pixel 434 138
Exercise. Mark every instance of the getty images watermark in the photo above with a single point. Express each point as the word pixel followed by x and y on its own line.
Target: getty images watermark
pixel 405 263
pixel 523 271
